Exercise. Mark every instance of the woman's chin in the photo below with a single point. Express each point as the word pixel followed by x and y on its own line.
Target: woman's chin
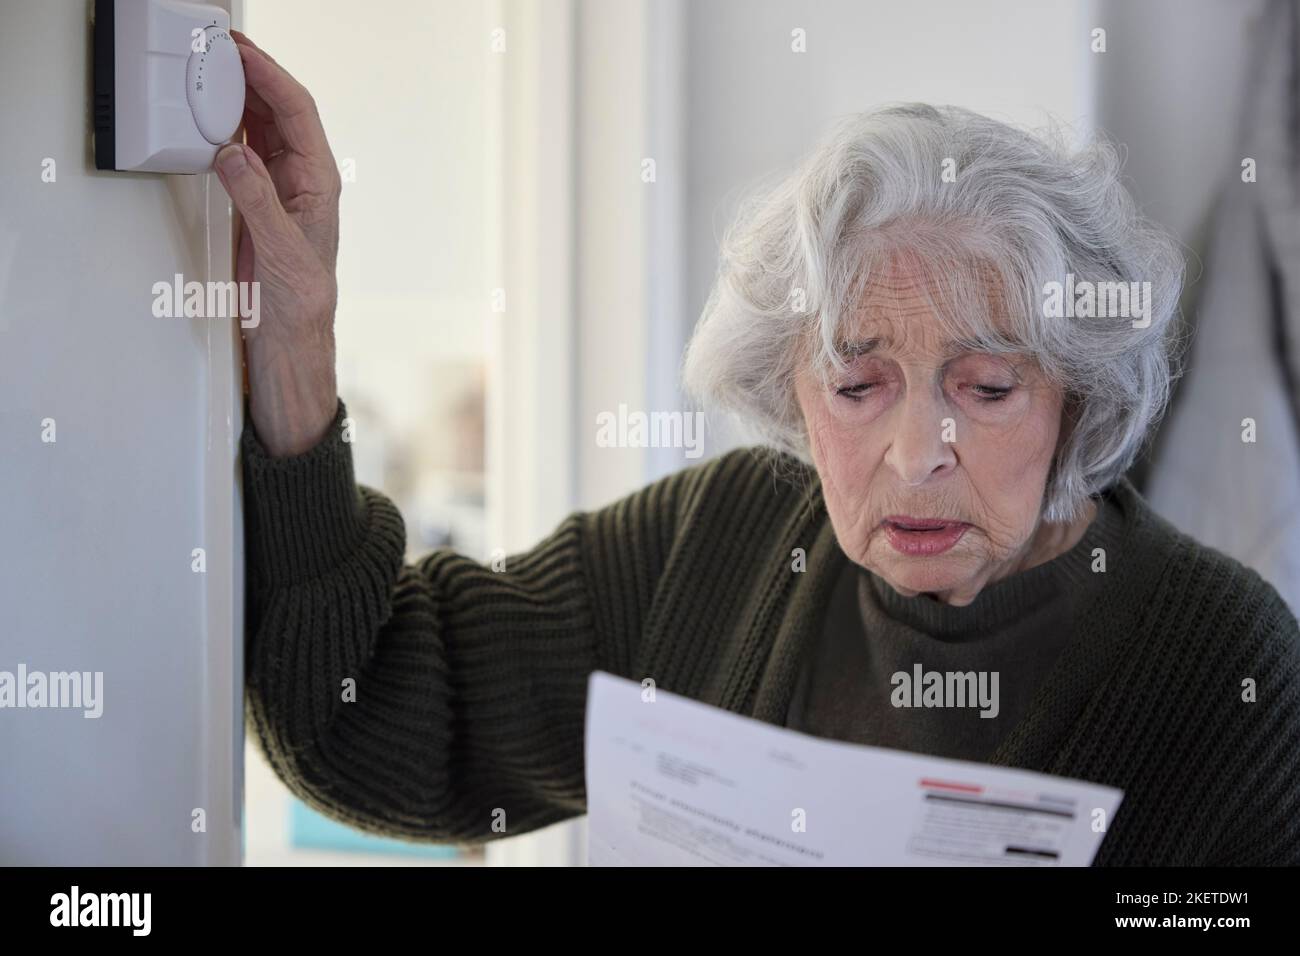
pixel 945 575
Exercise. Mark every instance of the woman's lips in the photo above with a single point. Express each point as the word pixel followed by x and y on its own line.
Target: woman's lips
pixel 922 536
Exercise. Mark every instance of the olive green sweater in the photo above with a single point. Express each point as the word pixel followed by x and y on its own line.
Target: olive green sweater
pixel 470 684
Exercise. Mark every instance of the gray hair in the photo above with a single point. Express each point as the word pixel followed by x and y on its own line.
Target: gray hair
pixel 1023 210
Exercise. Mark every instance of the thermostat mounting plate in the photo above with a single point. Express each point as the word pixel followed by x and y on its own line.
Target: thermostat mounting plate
pixel 169 85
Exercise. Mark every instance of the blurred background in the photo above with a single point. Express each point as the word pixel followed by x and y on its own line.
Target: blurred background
pixel 534 191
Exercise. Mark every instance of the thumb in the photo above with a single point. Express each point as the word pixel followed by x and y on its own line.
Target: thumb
pixel 253 193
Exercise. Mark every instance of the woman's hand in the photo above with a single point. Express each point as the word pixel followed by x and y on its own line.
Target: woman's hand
pixel 285 184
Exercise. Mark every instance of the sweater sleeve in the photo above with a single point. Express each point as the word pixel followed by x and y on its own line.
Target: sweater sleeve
pixel 443 700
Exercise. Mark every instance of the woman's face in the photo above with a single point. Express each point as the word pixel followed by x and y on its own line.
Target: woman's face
pixel 933 459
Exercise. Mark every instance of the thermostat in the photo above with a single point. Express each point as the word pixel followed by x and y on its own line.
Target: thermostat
pixel 169 85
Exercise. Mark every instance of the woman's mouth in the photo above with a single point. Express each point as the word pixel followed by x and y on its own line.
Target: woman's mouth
pixel 922 536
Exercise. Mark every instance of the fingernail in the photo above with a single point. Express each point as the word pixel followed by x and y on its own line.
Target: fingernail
pixel 231 159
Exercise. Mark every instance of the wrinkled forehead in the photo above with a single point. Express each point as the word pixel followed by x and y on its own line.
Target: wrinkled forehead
pixel 909 306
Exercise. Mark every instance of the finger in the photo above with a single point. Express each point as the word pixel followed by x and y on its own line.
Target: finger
pixel 244 255
pixel 246 40
pixel 253 193
pixel 257 108
pixel 253 103
pixel 262 133
pixel 291 105
pixel 264 138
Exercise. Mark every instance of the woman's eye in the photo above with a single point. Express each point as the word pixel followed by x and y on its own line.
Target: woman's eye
pixel 855 392
pixel 991 393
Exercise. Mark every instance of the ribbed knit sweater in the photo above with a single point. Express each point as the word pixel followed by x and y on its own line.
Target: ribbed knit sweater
pixel 470 683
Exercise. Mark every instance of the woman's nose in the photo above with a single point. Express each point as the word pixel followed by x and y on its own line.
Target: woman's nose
pixel 923 440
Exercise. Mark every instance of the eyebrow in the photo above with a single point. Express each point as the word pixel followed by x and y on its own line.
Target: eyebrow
pixel 854 349
pixel 951 349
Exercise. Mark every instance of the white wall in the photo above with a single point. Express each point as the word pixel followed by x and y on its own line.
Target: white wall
pixel 1170 88
pixel 99 525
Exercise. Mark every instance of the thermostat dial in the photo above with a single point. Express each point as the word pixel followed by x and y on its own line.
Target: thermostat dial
pixel 214 85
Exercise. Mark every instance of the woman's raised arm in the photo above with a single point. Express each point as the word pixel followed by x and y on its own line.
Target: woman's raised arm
pixel 443 700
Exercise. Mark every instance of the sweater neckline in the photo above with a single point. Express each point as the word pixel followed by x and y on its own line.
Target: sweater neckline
pixel 1134 570
pixel 1001 602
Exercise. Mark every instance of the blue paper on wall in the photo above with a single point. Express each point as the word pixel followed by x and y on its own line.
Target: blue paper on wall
pixel 311 830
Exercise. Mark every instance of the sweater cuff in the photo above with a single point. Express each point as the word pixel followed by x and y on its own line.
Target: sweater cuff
pixel 304 514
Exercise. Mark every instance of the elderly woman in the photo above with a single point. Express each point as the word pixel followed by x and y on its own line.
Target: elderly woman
pixel 940 488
